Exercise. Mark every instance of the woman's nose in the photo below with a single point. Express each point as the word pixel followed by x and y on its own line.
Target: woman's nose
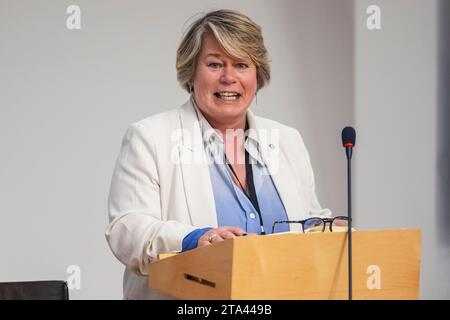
pixel 228 75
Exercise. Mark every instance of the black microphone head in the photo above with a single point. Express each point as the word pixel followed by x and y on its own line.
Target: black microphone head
pixel 348 137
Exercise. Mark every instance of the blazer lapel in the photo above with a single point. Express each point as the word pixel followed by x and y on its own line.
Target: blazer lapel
pixel 195 171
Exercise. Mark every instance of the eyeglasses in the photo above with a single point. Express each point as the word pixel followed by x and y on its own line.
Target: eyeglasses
pixel 317 224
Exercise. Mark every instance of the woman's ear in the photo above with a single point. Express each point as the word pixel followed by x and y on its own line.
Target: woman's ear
pixel 190 87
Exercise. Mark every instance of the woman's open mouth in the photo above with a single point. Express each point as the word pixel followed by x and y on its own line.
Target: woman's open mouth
pixel 227 95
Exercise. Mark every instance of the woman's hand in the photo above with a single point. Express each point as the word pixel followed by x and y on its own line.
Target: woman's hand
pixel 219 234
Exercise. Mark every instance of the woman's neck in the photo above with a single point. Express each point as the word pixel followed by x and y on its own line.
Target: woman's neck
pixel 233 136
pixel 233 125
pixel 228 127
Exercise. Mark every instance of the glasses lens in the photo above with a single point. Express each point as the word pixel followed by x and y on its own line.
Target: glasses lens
pixel 282 226
pixel 339 224
pixel 313 225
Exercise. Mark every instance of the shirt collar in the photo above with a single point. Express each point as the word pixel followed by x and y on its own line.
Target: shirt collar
pixel 212 137
pixel 209 134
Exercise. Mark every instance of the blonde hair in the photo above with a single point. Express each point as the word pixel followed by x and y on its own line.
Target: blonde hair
pixel 239 36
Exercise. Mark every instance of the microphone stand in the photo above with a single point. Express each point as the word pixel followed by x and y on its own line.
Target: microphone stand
pixel 348 151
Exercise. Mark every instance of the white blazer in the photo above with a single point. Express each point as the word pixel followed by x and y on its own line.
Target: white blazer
pixel 161 188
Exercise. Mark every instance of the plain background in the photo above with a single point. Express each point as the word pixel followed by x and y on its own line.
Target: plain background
pixel 67 97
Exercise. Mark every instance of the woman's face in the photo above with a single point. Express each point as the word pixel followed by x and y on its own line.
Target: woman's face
pixel 223 87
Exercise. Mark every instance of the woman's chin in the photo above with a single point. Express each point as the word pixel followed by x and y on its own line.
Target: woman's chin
pixel 231 111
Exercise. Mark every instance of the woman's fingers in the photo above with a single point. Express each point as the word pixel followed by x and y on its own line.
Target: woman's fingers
pixel 209 237
pixel 219 234
pixel 227 235
pixel 235 230
pixel 203 243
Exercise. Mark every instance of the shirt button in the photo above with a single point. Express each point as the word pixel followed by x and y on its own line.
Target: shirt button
pixel 252 215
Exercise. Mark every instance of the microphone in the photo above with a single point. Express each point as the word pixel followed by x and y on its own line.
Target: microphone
pixel 348 141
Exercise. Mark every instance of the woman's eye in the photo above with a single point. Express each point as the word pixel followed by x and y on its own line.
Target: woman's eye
pixel 242 66
pixel 214 65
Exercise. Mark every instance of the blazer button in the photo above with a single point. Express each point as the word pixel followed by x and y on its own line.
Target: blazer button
pixel 252 215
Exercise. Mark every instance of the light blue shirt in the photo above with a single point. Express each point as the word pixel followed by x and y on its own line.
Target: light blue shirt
pixel 233 207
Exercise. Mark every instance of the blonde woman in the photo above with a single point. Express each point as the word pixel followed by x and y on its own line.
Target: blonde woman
pixel 209 170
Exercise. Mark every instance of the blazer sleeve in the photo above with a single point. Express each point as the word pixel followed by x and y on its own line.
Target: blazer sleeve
pixel 137 233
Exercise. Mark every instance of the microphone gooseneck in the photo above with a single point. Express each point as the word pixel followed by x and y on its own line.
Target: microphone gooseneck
pixel 348 141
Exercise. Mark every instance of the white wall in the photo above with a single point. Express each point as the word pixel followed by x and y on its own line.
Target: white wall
pixel 396 178
pixel 68 96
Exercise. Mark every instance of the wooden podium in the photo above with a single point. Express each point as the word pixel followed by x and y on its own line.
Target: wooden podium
pixel 386 265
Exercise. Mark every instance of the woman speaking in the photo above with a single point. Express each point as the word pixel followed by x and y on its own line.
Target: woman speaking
pixel 209 170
